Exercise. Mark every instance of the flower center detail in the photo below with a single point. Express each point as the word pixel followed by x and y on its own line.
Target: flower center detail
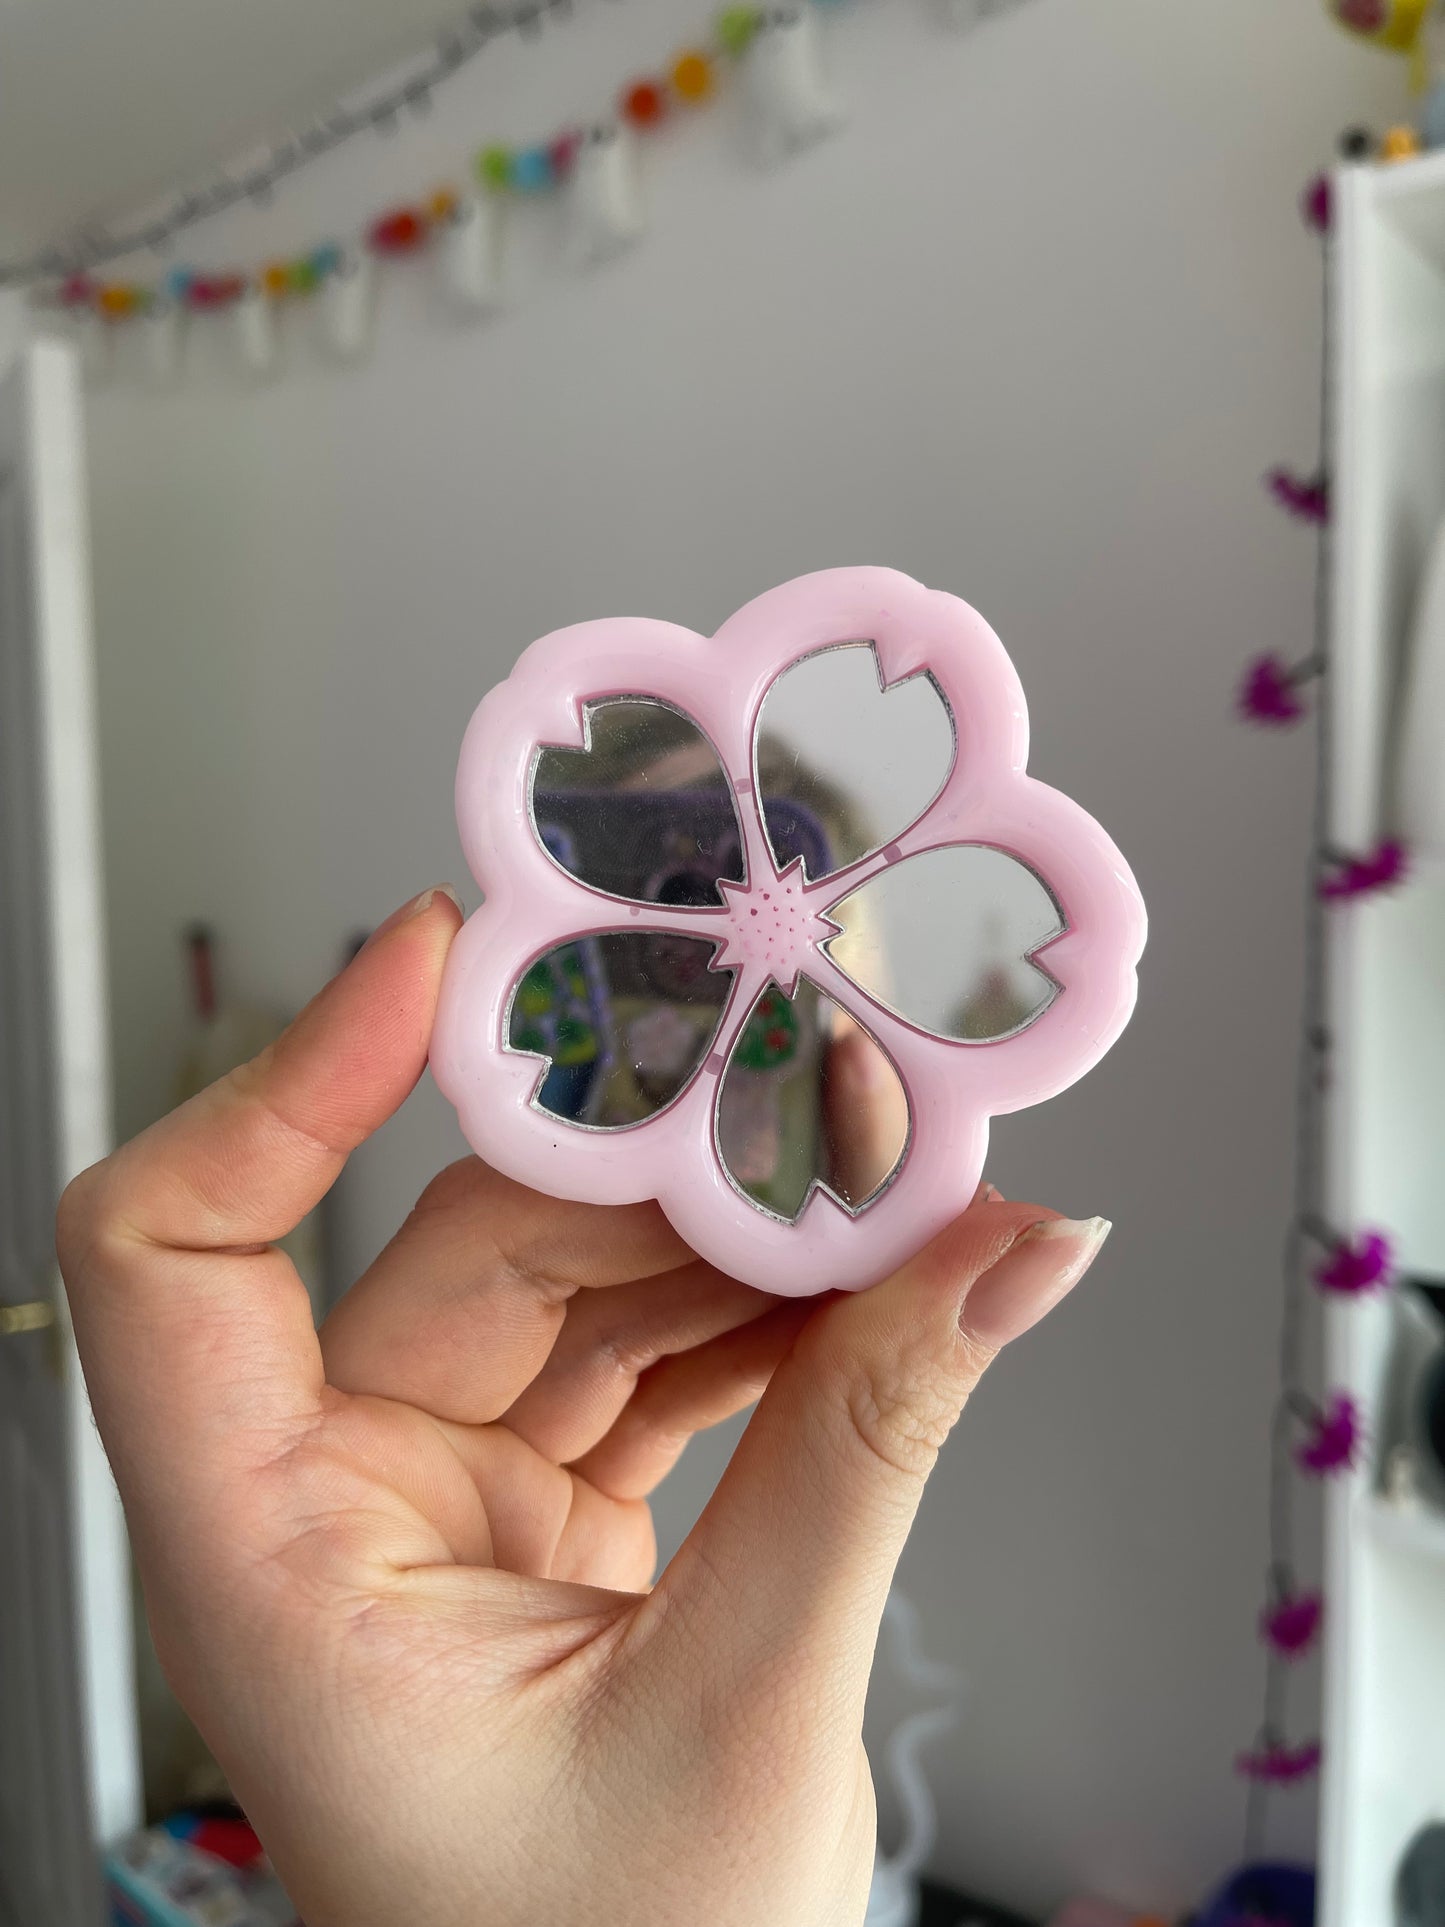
pixel 772 927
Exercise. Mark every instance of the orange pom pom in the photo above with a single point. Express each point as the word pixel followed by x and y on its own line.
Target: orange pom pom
pixel 1400 144
pixel 692 76
pixel 276 280
pixel 441 206
pixel 116 300
pixel 644 103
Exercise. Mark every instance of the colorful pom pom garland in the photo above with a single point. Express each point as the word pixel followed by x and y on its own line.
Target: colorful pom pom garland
pixel 694 77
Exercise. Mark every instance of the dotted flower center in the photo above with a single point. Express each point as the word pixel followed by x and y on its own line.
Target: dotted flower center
pixel 771 925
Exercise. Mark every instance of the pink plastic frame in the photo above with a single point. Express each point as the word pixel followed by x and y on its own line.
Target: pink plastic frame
pixel 533 905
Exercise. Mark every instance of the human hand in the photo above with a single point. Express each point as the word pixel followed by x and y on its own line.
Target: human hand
pixel 398 1573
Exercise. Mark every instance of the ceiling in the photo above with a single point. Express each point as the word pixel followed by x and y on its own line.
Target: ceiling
pixel 105 104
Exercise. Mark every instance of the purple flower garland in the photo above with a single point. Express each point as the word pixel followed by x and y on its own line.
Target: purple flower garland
pixel 1317 1436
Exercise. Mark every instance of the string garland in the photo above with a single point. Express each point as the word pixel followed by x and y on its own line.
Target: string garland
pixel 770 53
pixel 381 113
pixel 1315 1436
pixel 692 78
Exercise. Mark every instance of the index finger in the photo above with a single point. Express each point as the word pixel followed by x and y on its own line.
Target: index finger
pixel 191 1326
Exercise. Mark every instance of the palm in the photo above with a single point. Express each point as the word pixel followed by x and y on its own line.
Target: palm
pixel 437 1493
pixel 477 1407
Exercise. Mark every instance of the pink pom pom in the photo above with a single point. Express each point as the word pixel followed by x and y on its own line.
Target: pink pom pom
pixel 1268 694
pixel 1306 497
pixel 1277 1764
pixel 563 152
pixel 1317 204
pixel 1291 1625
pixel 1364 876
pixel 1334 1438
pixel 1356 1267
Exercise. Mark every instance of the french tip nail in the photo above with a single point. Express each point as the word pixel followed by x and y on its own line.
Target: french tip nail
pixel 1040 1267
pixel 1090 1233
pixel 416 908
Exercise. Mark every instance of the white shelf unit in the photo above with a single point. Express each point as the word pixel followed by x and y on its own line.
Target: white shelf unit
pixel 1384 1772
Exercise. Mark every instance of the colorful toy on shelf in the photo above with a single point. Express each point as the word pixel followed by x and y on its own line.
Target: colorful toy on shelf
pixel 1413 28
pixel 1397 25
pixel 1400 143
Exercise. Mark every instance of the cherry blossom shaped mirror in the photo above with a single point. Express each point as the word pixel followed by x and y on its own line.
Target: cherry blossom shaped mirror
pixel 774 922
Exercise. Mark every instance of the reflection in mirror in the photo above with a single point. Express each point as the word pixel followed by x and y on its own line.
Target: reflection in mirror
pixel 864 763
pixel 644 811
pixel 624 1019
pixel 808 1097
pixel 943 939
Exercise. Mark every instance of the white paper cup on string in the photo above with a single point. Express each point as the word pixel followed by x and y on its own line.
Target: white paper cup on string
pixel 604 194
pixel 253 330
pixel 160 333
pixel 789 101
pixel 93 339
pixel 345 303
pixel 469 255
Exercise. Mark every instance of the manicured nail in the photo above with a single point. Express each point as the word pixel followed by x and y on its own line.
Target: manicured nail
pixel 1039 1268
pixel 415 909
pixel 992 1194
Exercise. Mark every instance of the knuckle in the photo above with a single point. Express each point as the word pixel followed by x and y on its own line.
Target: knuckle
pixel 82 1218
pixel 903 1411
pixel 627 1353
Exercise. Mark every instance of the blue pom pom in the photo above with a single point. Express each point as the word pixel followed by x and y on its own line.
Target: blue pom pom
pixel 532 170
pixel 325 260
pixel 179 282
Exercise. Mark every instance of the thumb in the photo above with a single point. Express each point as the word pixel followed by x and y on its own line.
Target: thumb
pixel 193 1328
pixel 790 1565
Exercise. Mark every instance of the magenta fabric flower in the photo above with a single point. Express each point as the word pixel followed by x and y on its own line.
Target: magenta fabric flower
pixel 1366 876
pixel 1317 204
pixel 1333 1439
pixel 1353 1268
pixel 1305 497
pixel 529 1022
pixel 1276 1763
pixel 1291 1624
pixel 1269 693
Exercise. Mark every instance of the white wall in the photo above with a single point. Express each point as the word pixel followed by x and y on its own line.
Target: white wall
pixel 1030 329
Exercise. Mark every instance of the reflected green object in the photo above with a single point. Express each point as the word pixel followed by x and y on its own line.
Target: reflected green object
pixel 770 1036
pixel 551 1015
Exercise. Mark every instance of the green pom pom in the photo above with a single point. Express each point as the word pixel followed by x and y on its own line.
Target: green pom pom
pixel 494 166
pixel 736 27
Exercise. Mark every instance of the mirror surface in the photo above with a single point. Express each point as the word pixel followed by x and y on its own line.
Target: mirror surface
pixel 644 811
pixel 624 1019
pixel 862 762
pixel 943 938
pixel 808 1097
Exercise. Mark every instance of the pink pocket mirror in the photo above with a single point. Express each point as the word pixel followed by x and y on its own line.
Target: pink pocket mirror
pixel 775 920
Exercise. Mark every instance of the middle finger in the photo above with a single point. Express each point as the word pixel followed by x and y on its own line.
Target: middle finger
pixel 459 1313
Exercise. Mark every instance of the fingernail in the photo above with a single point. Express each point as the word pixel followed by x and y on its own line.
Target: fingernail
pixel 992 1194
pixel 1039 1268
pixel 415 909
